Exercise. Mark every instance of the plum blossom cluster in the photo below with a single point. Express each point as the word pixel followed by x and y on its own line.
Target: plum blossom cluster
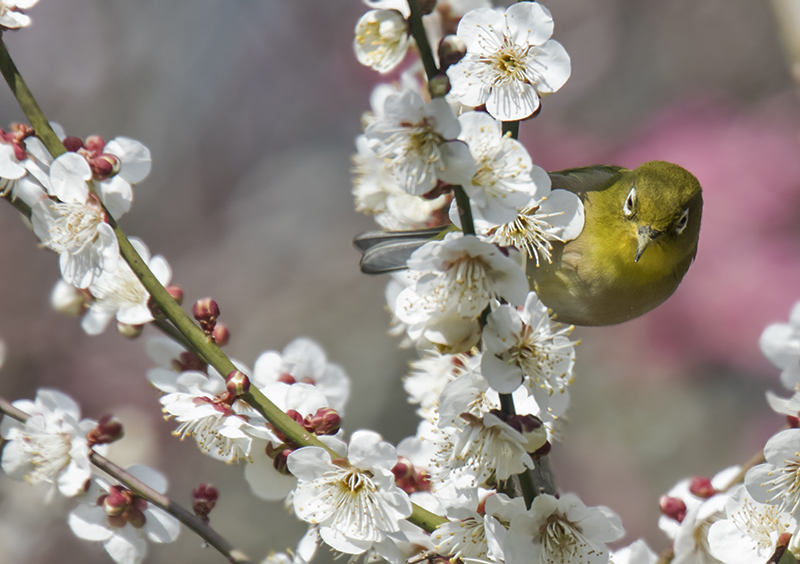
pixel 52 446
pixel 71 200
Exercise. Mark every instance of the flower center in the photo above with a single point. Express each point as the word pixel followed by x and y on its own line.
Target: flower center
pixel 76 228
pixel 49 454
pixel 563 541
pixel 787 484
pixel 509 63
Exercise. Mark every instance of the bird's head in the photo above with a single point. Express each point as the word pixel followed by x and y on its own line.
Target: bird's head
pixel 662 204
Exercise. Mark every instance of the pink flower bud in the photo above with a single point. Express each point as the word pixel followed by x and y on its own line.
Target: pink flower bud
pixel 95 143
pixel 204 499
pixel 221 334
pixel 326 421
pixel 176 292
pixel 403 470
pixel 238 383
pixel 672 507
pixel 702 488
pixel 73 144
pixel 107 430
pixel 129 331
pixel 793 422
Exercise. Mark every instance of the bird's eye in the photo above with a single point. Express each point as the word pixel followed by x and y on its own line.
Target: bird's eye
pixel 630 203
pixel 683 221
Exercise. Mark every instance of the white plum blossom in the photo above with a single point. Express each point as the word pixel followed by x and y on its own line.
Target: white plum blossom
pixel 506 179
pixel 377 193
pixel 511 61
pixel 636 553
pixel 303 360
pixel 264 479
pixel 428 377
pixel 123 521
pixel 357 505
pixel 121 294
pixel 473 443
pixel 780 343
pixel 51 446
pixel 75 227
pixel 777 483
pixel 473 535
pixel 526 345
pixel 11 16
pixel 561 530
pixel 381 39
pixel 691 540
pixel 454 280
pixel 417 141
pixel 751 531
pixel 223 426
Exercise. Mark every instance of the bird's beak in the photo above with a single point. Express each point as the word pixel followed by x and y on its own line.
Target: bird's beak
pixel 644 237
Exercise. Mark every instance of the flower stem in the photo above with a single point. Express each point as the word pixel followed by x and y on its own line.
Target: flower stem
pixel 182 322
pixel 28 103
pixel 421 39
pixel 191 521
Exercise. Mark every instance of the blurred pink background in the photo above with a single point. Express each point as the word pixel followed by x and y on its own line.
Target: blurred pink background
pixel 250 110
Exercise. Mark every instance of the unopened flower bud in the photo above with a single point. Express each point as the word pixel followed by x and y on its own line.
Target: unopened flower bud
pixel 116 501
pixel 107 430
pixel 451 50
pixel 326 421
pixel 793 422
pixel 129 331
pixel 206 312
pixel 204 498
pixel 73 144
pixel 280 461
pixel 95 143
pixel 238 383
pixel 672 507
pixel 439 86
pixel 403 470
pixel 221 334
pixel 176 292
pixel 701 487
pixel 105 166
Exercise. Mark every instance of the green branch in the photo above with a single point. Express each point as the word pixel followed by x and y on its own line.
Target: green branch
pixel 421 39
pixel 182 322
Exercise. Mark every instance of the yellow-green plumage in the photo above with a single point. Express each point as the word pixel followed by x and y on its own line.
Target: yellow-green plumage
pixel 596 278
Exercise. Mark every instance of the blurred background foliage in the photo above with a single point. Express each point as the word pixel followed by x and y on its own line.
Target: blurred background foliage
pixel 250 108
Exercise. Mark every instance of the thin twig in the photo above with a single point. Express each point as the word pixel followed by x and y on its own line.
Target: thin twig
pixel 421 39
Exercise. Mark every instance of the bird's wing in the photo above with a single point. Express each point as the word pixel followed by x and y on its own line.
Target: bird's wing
pixel 388 251
pixel 368 240
pixel 579 181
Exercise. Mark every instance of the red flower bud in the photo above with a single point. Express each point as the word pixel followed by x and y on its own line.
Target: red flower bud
pixel 176 292
pixel 238 383
pixel 701 487
pixel 326 421
pixel 672 507
pixel 206 312
pixel 280 461
pixel 204 499
pixel 73 144
pixel 95 143
pixel 107 430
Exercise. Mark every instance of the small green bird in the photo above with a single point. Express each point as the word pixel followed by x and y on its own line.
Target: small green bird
pixel 638 240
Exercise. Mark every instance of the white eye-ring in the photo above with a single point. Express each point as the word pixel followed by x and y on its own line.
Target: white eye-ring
pixel 683 221
pixel 630 203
